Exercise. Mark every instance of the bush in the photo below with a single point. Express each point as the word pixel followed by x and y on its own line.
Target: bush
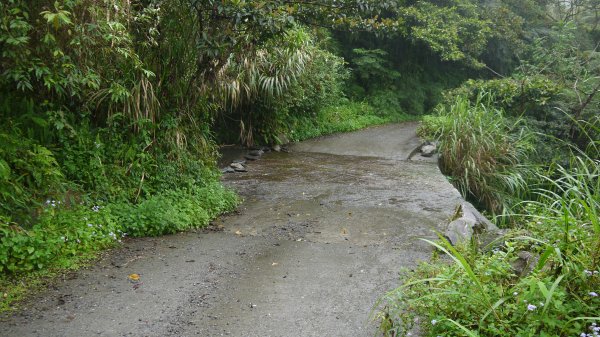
pixel 28 174
pixel 174 210
pixel 344 117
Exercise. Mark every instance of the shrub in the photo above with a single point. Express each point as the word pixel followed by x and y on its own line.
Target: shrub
pixel 174 210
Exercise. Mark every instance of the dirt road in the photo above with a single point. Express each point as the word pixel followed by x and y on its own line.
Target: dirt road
pixel 321 235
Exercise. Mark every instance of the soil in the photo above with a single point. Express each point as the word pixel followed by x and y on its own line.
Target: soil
pixel 320 237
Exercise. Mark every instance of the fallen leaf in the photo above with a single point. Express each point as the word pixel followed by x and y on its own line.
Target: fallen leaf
pixel 274 263
pixel 134 277
pixel 238 233
pixel 344 231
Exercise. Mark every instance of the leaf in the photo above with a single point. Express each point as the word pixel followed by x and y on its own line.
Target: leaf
pixel 134 277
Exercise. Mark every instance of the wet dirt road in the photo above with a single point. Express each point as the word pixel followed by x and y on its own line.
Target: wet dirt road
pixel 322 233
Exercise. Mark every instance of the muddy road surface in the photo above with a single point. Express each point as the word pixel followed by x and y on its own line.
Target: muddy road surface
pixel 321 235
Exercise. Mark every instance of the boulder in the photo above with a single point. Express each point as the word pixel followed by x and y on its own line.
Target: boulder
pixel 459 230
pixel 277 148
pixel 227 170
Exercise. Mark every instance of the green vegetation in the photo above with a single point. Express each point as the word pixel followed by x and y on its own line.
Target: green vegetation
pixel 524 147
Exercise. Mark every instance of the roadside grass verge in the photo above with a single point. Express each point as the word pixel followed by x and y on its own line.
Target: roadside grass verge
pixel 344 117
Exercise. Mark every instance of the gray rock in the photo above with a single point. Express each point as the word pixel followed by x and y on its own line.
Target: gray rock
pixel 459 230
pixel 239 161
pixel 468 221
pixel 237 167
pixel 480 220
pixel 277 148
pixel 227 170
pixel 428 150
pixel 256 153
pixel 251 157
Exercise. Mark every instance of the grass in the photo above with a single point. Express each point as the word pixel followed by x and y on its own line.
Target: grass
pixel 482 151
pixel 344 117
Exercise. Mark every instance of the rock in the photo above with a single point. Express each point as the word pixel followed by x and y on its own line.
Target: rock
pixel 227 170
pixel 251 157
pixel 237 167
pixel 428 150
pixel 468 221
pixel 277 148
pixel 239 161
pixel 484 224
pixel 459 230
pixel 256 153
pixel 525 264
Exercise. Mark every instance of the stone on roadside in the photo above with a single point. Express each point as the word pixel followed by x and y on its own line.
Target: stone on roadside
pixel 428 150
pixel 251 157
pixel 459 230
pixel 468 221
pixel 256 153
pixel 277 148
pixel 237 167
pixel 227 170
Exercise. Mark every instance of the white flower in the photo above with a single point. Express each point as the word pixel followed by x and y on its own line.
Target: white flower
pixel 515 293
pixel 433 322
pixel 531 307
pixel 90 225
pixel 593 294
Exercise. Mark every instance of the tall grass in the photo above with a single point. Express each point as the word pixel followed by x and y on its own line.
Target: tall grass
pixel 482 151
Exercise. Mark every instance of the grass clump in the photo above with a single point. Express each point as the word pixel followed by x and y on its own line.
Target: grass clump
pixel 481 151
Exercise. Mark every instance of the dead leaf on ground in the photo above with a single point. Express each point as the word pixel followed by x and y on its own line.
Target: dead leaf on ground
pixel 134 277
pixel 344 231
pixel 274 263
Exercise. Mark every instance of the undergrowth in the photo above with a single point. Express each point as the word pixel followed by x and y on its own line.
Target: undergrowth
pixel 347 116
